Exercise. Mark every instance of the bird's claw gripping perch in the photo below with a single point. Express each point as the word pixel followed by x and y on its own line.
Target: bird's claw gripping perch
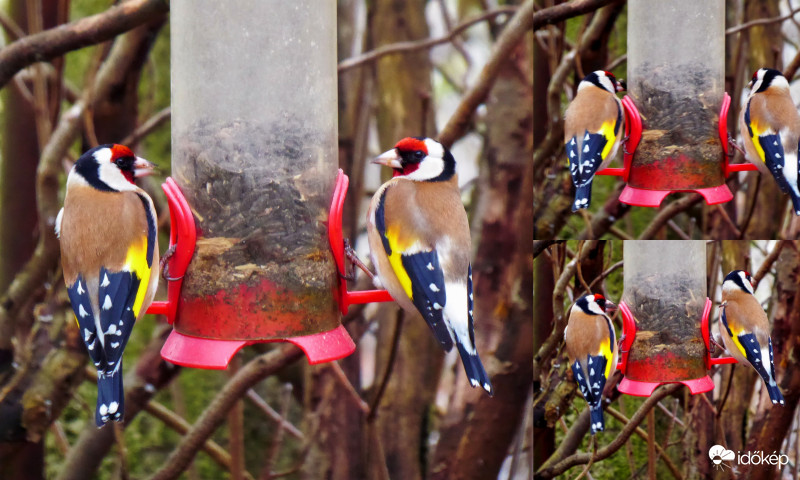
pixel 732 142
pixel 714 345
pixel 351 255
pixel 165 265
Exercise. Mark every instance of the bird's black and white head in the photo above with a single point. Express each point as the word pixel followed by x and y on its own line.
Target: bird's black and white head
pixel 420 159
pixel 763 78
pixel 602 79
pixel 111 168
pixel 595 304
pixel 738 280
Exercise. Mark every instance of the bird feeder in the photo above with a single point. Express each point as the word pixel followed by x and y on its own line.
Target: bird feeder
pixel 664 308
pixel 676 87
pixel 254 150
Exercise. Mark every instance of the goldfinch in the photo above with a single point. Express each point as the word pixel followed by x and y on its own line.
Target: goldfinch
pixel 592 351
pixel 107 231
pixel 420 245
pixel 744 329
pixel 593 129
pixel 770 127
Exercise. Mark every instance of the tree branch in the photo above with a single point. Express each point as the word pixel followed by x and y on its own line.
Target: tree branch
pixel 668 212
pixel 551 15
pixel 605 452
pixel 512 34
pixel 180 425
pixel 78 34
pixel 213 416
pixel 761 21
pixel 413 46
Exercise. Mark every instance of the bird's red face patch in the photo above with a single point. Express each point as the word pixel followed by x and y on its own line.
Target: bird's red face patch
pixel 119 151
pixel 411 144
pixel 406 147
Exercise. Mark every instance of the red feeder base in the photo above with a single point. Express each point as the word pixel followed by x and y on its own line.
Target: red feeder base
pixel 321 347
pixel 652 198
pixel 645 389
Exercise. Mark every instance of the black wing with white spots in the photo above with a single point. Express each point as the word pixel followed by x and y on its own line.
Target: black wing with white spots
pixel 82 307
pixel 427 292
pixel 116 295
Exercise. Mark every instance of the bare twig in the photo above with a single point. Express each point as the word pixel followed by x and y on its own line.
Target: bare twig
pixel 277 440
pixel 752 208
pixel 668 212
pixel 766 265
pixel 550 470
pixel 413 46
pixel 728 220
pixel 147 127
pixel 181 426
pixel 78 34
pixel 373 406
pixel 760 21
pixel 551 15
pixel 253 372
pixel 60 437
pixel 512 34
pixel 10 26
pixel 677 229
pixel 606 273
pixel 271 413
pixel 339 374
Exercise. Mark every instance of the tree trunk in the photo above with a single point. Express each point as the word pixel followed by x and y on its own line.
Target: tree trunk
pixel 403 110
pixel 473 444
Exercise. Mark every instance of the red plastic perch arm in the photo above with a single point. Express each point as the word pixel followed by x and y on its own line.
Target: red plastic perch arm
pixel 705 329
pixel 182 235
pixel 337 246
pixel 633 133
pixel 628 334
pixel 723 137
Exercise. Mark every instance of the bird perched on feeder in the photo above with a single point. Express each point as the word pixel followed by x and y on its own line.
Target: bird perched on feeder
pixel 420 245
pixel 592 351
pixel 592 131
pixel 107 231
pixel 744 329
pixel 770 127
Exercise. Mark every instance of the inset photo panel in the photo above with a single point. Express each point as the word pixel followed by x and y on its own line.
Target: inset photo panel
pixel 666 359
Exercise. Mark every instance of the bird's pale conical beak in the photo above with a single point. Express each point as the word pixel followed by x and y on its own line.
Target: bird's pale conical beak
pixel 389 159
pixel 142 167
pixel 610 307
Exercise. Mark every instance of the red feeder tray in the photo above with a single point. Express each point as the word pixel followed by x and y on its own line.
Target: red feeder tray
pixel 653 197
pixel 216 353
pixel 645 389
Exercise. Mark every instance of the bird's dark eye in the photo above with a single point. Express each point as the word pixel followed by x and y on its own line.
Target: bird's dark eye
pixel 124 163
pixel 419 155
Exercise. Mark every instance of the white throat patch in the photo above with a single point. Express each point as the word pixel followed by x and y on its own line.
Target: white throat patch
pixel 746 283
pixel 109 173
pixel 432 165
pixel 595 308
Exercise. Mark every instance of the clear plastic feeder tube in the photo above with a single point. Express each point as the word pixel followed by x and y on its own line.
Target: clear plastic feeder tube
pixel 254 128
pixel 676 78
pixel 665 289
